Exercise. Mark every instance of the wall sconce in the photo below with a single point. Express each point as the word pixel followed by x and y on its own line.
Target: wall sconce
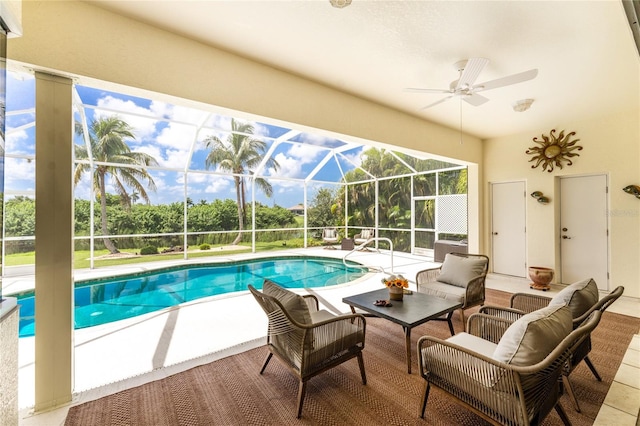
pixel 539 196
pixel 633 190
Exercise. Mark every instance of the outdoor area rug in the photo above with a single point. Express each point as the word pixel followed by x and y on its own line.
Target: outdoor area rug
pixel 231 391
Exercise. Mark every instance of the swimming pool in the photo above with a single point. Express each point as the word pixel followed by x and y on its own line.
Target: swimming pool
pixel 125 296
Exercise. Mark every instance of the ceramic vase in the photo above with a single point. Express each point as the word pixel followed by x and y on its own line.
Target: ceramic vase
pixel 541 277
pixel 395 293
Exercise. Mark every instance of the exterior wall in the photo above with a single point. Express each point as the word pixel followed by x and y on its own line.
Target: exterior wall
pixel 611 145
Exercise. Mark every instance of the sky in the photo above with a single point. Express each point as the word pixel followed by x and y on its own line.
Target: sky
pixel 168 133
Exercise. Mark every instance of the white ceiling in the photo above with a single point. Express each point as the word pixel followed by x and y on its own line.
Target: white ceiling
pixel 588 64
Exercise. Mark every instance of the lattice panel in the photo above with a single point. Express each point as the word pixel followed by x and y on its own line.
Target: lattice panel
pixel 451 214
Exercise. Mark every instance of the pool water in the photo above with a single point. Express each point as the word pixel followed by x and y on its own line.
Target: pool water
pixel 125 296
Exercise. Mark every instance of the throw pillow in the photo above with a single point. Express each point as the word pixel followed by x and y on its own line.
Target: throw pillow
pixel 293 303
pixel 579 296
pixel 458 270
pixel 531 338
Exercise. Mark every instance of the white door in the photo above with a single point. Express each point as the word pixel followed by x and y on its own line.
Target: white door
pixel 508 228
pixel 584 242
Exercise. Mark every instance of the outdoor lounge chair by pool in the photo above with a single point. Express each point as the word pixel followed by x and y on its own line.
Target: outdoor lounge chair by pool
pixel 329 237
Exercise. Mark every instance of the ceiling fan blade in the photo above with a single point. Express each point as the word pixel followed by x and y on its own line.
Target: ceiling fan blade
pixel 471 72
pixel 475 99
pixel 437 102
pixel 418 90
pixel 506 81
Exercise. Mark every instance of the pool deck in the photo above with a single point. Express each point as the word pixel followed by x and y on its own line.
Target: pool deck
pixel 128 353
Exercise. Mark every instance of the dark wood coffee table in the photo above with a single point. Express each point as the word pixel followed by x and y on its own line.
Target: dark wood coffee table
pixel 413 310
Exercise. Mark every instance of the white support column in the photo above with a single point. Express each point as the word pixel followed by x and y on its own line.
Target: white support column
pixel 54 242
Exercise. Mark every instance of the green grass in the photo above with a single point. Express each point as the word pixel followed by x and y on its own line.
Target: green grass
pixel 81 257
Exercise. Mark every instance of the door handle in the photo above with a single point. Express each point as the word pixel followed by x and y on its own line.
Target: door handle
pixel 494 233
pixel 564 237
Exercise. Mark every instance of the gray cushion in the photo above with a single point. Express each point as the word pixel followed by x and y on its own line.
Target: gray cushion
pixel 473 343
pixel 444 291
pixel 294 304
pixel 579 297
pixel 531 338
pixel 458 271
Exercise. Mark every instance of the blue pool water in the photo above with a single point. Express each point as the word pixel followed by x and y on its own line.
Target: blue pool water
pixel 125 296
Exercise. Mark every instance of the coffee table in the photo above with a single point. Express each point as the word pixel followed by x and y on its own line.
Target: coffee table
pixel 413 310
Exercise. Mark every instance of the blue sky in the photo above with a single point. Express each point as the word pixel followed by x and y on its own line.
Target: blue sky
pixel 167 132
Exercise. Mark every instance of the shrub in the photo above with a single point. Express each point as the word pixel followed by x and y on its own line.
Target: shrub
pixel 205 246
pixel 149 250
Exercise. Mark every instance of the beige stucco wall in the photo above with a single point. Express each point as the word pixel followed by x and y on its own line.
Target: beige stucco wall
pixel 611 146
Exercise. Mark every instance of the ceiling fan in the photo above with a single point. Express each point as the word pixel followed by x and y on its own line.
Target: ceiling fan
pixel 465 88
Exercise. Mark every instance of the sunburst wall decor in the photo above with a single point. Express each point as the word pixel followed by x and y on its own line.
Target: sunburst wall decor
pixel 554 150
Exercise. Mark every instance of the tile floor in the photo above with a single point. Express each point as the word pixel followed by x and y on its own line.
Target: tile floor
pixel 132 352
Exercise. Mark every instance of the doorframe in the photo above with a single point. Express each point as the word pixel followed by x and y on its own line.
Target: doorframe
pixel 557 232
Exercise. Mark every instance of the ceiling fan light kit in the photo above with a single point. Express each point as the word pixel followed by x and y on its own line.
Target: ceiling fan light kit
pixel 340 3
pixel 522 105
pixel 466 89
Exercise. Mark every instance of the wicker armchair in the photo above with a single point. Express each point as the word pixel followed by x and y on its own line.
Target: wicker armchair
pixel 311 348
pixel 500 393
pixel 329 237
pixel 365 235
pixel 461 277
pixel 523 303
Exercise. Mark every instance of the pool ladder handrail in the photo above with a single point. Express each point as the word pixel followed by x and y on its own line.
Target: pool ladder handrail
pixel 363 245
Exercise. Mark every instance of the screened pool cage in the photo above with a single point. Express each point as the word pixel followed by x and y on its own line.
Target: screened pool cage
pixel 193 182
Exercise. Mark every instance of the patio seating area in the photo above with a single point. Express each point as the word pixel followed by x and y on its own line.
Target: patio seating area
pixel 121 355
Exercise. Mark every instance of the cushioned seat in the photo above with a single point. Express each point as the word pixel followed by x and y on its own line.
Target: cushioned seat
pixel 308 340
pixel 461 278
pixel 582 299
pixel 365 235
pixel 505 371
pixel 329 237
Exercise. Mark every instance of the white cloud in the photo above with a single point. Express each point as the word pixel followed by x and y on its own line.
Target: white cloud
pixel 177 136
pixel 218 184
pixel 357 156
pixel 15 140
pixel 143 128
pixel 20 174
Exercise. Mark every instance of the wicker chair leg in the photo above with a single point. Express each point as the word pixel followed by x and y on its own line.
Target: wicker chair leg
pixel 425 396
pixel 562 414
pixel 572 396
pixel 449 315
pixel 464 326
pixel 592 368
pixel 266 361
pixel 361 365
pixel 302 388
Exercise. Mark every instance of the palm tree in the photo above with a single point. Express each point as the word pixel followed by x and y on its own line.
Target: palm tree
pixel 240 154
pixel 106 136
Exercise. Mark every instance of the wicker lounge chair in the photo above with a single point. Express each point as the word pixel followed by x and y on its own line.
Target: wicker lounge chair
pixel 365 235
pixel 307 340
pixel 582 298
pixel 520 390
pixel 329 237
pixel 461 277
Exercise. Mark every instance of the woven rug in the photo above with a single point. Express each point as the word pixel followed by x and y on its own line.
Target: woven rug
pixel 231 391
